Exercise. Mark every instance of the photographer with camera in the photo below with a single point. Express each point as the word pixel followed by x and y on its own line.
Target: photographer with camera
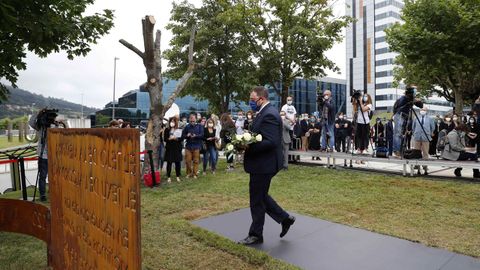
pixel 362 106
pixel 401 114
pixel 325 106
pixel 44 120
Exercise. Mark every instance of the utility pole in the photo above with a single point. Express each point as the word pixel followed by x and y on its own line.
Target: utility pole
pixel 114 81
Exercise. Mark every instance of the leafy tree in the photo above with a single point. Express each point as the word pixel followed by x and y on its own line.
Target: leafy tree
pixel 228 73
pixel 439 46
pixel 43 27
pixel 289 38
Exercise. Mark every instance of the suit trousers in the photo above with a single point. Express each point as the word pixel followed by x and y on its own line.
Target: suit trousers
pixel 423 146
pixel 261 203
pixel 192 156
pixel 286 147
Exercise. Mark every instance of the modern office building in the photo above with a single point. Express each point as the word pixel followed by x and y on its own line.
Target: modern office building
pixel 370 62
pixel 305 93
pixel 134 106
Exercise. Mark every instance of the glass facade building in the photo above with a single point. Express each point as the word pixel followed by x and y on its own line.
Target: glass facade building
pixel 370 62
pixel 305 92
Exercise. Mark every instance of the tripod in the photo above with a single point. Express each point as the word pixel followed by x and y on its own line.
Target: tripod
pixel 40 156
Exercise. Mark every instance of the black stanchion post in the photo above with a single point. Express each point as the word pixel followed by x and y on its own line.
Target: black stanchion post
pixel 152 168
pixel 21 161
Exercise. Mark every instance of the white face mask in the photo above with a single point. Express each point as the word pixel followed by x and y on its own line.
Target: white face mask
pixel 423 112
pixel 283 117
pixel 210 125
pixel 448 119
pixel 172 124
pixel 472 120
pixel 289 102
pixel 249 116
pixel 455 118
pixel 326 97
pixel 340 117
pixel 365 98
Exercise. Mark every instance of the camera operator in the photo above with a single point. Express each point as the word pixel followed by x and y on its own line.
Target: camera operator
pixel 326 107
pixel 44 120
pixel 401 112
pixel 362 105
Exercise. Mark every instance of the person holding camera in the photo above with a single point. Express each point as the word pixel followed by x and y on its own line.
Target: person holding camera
pixel 362 106
pixel 44 120
pixel 325 105
pixel 401 113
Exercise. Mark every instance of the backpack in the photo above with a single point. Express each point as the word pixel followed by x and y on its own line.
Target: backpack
pixel 442 140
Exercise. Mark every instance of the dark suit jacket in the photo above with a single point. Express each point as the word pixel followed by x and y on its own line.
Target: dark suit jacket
pixel 265 157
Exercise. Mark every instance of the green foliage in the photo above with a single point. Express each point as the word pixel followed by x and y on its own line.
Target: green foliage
pixel 289 37
pixel 439 46
pixel 228 74
pixel 43 27
pixel 102 120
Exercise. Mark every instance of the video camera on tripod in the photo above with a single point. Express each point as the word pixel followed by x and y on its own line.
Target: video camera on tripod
pixel 46 118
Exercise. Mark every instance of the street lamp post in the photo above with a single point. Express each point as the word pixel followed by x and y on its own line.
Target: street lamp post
pixel 114 80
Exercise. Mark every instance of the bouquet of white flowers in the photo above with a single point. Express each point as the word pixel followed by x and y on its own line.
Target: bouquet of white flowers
pixel 239 143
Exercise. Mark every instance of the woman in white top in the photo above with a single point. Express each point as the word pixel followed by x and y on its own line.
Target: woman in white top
pixel 362 131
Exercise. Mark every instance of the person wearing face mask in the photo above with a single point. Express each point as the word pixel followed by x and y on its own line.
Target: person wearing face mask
pixel 423 136
pixel 473 133
pixel 211 150
pixel 226 134
pixel 263 160
pixel 455 119
pixel 240 123
pixel 341 132
pixel 362 118
pixel 327 121
pixel 249 121
pixel 182 124
pixel 193 134
pixel 290 111
pixel 173 148
pixel 314 132
pixel 304 132
pixel 286 139
pixel 447 124
pixel 455 149
pixel 433 143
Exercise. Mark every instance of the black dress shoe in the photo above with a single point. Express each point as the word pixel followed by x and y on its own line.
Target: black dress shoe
pixel 286 225
pixel 251 240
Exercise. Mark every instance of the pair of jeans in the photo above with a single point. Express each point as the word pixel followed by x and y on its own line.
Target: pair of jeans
pixel 211 156
pixel 398 132
pixel 192 159
pixel 328 129
pixel 43 172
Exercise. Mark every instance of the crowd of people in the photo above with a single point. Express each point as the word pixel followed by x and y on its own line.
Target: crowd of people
pixel 447 136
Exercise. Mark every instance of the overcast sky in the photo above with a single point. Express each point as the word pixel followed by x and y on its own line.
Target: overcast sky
pixel 92 75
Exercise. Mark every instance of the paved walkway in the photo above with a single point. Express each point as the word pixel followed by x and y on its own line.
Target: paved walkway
pixel 322 245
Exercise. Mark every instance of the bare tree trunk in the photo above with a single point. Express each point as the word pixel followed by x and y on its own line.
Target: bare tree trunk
pixel 458 101
pixel 152 60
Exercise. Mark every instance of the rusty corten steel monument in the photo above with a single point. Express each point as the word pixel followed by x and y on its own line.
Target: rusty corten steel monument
pixel 94 217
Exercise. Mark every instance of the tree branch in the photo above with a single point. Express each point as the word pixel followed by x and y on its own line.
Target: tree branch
pixel 178 88
pixel 132 48
pixel 190 46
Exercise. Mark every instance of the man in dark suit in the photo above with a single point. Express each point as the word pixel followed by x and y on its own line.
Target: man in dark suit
pixel 263 160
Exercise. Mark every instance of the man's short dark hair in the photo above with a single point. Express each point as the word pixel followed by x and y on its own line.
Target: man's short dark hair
pixel 260 91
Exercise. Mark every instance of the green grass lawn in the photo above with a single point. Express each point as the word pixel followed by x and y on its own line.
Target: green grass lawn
pixel 443 214
pixel 4 143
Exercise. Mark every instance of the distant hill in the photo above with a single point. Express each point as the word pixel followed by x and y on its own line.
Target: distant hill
pixel 20 103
